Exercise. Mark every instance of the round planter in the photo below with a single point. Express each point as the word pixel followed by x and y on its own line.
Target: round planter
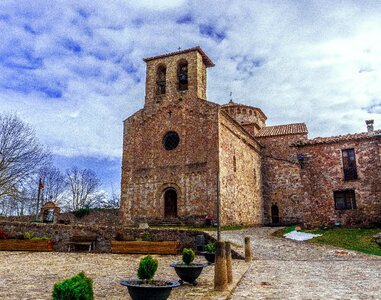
pixel 210 257
pixel 138 290
pixel 188 273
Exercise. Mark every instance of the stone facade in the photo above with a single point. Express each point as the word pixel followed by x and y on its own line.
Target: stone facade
pixel 282 185
pixel 156 180
pixel 181 153
pixel 240 174
pixel 322 175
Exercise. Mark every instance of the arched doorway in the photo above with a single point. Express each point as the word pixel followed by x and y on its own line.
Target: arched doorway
pixel 275 214
pixel 170 203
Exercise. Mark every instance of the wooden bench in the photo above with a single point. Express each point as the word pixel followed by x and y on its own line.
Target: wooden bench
pixel 78 240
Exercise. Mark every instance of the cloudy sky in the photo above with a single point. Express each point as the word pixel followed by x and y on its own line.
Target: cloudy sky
pixel 73 69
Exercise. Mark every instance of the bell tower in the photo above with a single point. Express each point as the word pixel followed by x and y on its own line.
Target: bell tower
pixel 176 76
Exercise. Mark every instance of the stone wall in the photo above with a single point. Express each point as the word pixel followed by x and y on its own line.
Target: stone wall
pixel 282 184
pixel 148 169
pixel 196 80
pixel 250 118
pixel 107 217
pixel 322 174
pixel 240 175
pixel 105 234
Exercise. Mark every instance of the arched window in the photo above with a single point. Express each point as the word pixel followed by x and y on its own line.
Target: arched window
pixel 182 75
pixel 160 80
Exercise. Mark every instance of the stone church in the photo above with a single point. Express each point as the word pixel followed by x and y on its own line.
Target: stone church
pixel 183 156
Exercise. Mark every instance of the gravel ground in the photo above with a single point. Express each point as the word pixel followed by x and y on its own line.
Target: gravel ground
pixel 286 269
pixel 282 269
pixel 31 275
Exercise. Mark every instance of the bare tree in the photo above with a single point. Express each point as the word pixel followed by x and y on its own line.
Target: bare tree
pixel 84 187
pixel 21 155
pixel 53 181
pixel 109 201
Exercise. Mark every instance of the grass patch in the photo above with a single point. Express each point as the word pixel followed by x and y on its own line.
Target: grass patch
pixel 357 239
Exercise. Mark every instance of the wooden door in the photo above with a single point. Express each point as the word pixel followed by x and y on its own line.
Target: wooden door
pixel 170 204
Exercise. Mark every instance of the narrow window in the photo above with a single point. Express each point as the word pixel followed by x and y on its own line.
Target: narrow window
pixel 182 73
pixel 160 80
pixel 349 164
pixel 234 163
pixel 345 199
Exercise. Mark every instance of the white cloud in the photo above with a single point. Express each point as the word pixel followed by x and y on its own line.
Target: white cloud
pixel 74 69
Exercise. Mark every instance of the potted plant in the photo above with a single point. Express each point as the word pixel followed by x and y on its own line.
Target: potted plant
pixel 210 252
pixel 145 288
pixel 187 270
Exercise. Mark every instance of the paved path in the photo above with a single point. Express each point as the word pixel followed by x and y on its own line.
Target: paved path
pixel 285 269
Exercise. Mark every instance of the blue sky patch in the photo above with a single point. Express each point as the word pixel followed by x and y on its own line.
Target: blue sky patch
pixel 210 31
pixel 186 19
pixel 22 60
pixel 71 45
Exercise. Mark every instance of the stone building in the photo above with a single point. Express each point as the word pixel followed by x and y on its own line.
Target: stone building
pixel 182 152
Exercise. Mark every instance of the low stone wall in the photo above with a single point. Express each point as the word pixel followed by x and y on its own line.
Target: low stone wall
pixel 61 234
pixel 109 217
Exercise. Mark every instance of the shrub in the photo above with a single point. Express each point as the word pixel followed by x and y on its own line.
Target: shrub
pixel 80 213
pixel 210 247
pixel 147 236
pixel 78 287
pixel 3 235
pixel 188 255
pixel 147 268
pixel 28 235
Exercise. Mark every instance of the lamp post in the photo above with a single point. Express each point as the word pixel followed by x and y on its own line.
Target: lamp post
pixel 218 208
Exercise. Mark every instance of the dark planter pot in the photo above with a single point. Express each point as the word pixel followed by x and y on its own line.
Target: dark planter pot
pixel 149 292
pixel 188 273
pixel 210 257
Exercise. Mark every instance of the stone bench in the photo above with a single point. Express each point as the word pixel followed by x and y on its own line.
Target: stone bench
pixel 77 240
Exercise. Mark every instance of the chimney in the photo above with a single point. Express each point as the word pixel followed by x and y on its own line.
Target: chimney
pixel 369 125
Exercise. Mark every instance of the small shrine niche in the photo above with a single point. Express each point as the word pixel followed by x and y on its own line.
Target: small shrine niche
pixel 49 212
pixel 182 73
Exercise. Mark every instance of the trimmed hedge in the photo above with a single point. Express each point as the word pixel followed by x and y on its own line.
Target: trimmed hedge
pixel 78 287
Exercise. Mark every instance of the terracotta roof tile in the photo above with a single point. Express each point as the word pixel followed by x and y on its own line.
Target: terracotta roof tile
pixel 339 138
pixel 208 62
pixel 297 128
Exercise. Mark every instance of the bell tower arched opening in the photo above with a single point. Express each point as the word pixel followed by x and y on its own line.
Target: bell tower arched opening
pixel 182 75
pixel 161 75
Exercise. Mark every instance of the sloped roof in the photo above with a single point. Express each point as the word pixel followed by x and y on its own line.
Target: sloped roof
pixel 339 138
pixel 296 128
pixel 207 61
